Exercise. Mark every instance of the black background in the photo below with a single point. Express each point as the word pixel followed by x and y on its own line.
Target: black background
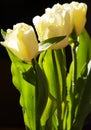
pixel 12 12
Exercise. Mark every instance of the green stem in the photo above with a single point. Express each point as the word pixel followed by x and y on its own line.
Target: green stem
pixel 33 64
pixel 59 109
pixel 74 77
pixel 71 91
pixel 37 120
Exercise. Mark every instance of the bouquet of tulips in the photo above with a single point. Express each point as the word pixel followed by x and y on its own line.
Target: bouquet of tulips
pixel 52 96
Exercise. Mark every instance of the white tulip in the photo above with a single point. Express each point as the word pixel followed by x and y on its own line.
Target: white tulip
pixel 55 22
pixel 78 13
pixel 22 41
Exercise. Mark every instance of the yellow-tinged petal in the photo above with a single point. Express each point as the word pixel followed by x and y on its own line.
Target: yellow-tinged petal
pixel 79 11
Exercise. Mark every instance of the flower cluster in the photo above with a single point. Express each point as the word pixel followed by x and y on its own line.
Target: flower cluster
pixel 53 95
pixel 60 20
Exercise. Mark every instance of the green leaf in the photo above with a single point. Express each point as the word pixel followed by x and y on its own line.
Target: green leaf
pixel 30 76
pixel 27 90
pixel 46 61
pixel 54 39
pixel 32 84
pixel 49 110
pixel 83 78
pixel 44 45
pixel 83 53
pixel 84 106
pixel 41 92
pixel 54 66
pixel 82 93
pixel 3 33
pixel 49 69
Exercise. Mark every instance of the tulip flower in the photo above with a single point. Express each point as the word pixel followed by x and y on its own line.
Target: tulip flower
pixel 22 41
pixel 78 13
pixel 55 22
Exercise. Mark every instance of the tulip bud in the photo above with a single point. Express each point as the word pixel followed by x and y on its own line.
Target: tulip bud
pixel 78 12
pixel 22 41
